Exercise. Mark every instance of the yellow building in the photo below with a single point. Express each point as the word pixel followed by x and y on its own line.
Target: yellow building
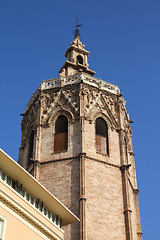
pixel 27 209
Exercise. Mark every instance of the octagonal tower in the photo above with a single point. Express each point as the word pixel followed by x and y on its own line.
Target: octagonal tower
pixel 77 142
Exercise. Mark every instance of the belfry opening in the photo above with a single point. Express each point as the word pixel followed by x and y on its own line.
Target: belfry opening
pixel 61 134
pixel 102 136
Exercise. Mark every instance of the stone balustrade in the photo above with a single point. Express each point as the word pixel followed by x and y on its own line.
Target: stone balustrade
pixel 73 79
pixel 69 80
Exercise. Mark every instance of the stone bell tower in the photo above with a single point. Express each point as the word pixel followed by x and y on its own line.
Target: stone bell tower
pixel 77 141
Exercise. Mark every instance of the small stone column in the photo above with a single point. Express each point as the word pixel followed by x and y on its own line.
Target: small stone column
pixel 82 198
pixel 124 170
pixel 139 233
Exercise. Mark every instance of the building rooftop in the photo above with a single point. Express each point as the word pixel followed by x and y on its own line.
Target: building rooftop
pixel 35 189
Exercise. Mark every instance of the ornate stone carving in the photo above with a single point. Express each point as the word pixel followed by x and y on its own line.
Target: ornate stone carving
pixel 30 120
pixel 97 102
pixel 52 102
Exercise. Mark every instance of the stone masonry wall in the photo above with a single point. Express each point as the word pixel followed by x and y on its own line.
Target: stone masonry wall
pixel 104 202
pixel 61 178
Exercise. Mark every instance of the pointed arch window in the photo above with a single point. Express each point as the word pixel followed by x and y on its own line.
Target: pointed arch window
pixel 61 134
pixel 101 136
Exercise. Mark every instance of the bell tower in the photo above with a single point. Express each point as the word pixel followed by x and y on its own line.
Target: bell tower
pixel 77 59
pixel 77 142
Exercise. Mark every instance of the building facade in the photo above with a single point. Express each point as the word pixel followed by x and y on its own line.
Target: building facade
pixel 77 141
pixel 27 209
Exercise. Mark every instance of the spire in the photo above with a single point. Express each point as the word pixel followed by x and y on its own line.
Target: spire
pixel 77 57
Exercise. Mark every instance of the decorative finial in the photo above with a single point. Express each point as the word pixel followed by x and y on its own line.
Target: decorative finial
pixel 76 31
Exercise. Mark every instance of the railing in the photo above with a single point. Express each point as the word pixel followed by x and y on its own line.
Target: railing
pixel 30 199
pixel 69 80
pixel 80 77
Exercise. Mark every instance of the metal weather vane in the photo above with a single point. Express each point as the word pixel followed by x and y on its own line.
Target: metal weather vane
pixel 76 31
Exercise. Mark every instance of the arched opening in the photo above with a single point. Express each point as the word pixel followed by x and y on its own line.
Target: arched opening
pixel 61 134
pixel 79 59
pixel 31 147
pixel 101 136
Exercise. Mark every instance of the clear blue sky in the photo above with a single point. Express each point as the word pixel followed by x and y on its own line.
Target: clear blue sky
pixel 123 37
